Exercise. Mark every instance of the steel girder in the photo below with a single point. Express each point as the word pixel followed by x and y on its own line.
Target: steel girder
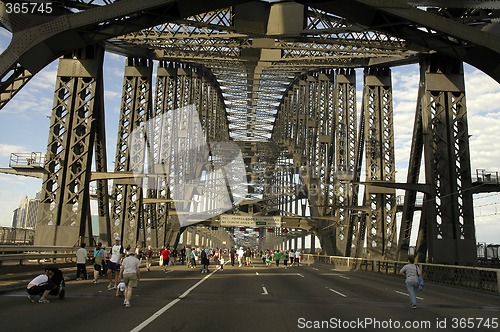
pixel 135 111
pixel 76 122
pixel 345 157
pixel 178 148
pixel 40 39
pixel 448 208
pixel 380 163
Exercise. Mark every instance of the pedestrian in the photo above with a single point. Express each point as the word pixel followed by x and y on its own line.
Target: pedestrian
pixel 130 273
pixel 285 258
pixel 165 254
pixel 221 261
pixel 411 272
pixel 204 260
pixel 183 255
pixel 297 257
pixel 277 257
pixel 232 255
pixel 81 261
pixel 216 256
pixel 149 255
pixel 98 260
pixel 292 258
pixel 41 286
pixel 193 258
pixel 113 263
pixel 248 257
pixel 188 257
pixel 240 254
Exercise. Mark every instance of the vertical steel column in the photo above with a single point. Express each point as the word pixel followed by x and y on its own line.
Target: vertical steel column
pixel 164 100
pixel 126 212
pixel 101 160
pixel 63 212
pixel 345 156
pixel 450 216
pixel 414 164
pixel 380 164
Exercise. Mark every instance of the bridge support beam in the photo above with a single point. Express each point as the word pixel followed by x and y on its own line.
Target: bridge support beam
pixel 447 230
pixel 77 124
pixel 380 163
pixel 126 221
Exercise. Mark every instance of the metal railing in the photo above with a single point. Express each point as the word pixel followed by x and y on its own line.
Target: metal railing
pixel 40 255
pixel 30 159
pixel 475 278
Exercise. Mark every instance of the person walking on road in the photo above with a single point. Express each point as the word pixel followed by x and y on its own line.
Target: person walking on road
pixel 292 258
pixel 98 260
pixel 232 255
pixel 81 261
pixel 277 257
pixel 411 272
pixel 149 255
pixel 165 254
pixel 117 254
pixel 130 273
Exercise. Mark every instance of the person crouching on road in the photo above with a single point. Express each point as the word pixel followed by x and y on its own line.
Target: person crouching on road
pixel 41 286
pixel 130 273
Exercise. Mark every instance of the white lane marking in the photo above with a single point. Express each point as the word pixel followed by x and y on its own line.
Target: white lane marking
pixel 315 269
pixel 335 274
pixel 265 291
pixel 300 275
pixel 406 294
pixel 339 293
pixel 169 305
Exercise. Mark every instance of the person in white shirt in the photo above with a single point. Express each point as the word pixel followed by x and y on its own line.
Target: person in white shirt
pixel 113 263
pixel 130 274
pixel 81 261
pixel 120 289
pixel 41 286
pixel 297 257
pixel 240 254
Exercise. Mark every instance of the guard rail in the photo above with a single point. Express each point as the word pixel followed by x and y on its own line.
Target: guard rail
pixel 475 278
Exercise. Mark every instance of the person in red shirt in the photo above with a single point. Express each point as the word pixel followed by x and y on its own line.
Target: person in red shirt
pixel 165 254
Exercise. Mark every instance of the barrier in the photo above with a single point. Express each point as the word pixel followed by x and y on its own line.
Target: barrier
pixel 474 278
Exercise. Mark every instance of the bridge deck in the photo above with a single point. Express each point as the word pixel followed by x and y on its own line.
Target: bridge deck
pixel 256 298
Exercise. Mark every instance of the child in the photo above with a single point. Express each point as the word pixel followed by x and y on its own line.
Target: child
pixel 120 289
pixel 221 261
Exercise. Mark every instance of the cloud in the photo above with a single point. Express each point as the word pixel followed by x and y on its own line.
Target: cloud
pixel 6 149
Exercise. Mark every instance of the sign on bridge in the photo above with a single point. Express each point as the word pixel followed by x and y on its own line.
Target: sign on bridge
pixel 228 220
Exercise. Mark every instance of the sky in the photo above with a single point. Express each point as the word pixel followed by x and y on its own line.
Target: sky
pixel 24 123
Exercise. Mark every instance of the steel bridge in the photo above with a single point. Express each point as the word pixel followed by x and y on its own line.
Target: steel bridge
pixel 272 85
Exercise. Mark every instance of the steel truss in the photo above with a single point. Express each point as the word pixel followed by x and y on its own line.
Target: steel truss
pixel 380 165
pixel 76 126
pixel 265 59
pixel 135 111
pixel 446 231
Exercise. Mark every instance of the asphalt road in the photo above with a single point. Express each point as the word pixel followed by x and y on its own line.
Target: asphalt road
pixel 257 298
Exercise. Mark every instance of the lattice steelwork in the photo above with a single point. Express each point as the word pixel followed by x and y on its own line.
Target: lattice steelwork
pixel 184 95
pixel 63 217
pixel 130 154
pixel 450 217
pixel 259 84
pixel 345 156
pixel 379 144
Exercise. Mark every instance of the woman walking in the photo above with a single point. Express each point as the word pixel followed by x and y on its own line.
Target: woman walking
pixel 411 271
